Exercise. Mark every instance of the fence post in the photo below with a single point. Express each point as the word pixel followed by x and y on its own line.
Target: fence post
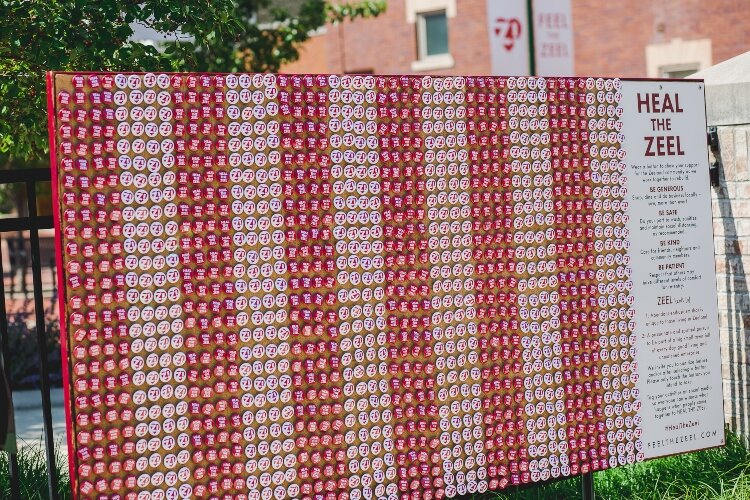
pixel 15 487
pixel 41 337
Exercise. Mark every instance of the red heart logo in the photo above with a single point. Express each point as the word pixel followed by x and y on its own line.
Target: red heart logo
pixel 509 30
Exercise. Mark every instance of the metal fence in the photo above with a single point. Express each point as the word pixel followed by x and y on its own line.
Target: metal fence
pixel 32 223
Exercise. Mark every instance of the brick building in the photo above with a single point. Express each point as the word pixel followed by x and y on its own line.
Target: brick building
pixel 637 38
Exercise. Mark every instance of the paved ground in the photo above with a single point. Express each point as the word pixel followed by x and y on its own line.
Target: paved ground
pixel 29 421
pixel 28 403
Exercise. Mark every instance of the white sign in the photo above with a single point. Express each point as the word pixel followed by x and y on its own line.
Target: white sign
pixel 553 38
pixel 507 23
pixel 672 262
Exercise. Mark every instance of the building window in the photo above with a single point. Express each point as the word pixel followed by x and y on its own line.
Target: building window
pixel 430 20
pixel 433 51
pixel 432 36
pixel 679 70
pixel 677 58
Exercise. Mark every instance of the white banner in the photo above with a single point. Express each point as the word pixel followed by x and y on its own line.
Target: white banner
pixel 672 262
pixel 507 23
pixel 553 38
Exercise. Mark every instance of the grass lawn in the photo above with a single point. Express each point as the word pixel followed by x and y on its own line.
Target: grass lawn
pixel 722 473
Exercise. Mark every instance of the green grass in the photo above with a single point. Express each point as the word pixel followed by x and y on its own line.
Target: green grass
pixel 722 474
pixel 32 466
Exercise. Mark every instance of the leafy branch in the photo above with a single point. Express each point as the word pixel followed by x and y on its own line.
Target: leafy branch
pixel 75 35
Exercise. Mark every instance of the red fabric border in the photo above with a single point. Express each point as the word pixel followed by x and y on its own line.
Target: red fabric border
pixel 51 118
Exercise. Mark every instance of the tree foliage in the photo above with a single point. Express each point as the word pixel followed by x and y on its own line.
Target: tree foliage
pixel 84 35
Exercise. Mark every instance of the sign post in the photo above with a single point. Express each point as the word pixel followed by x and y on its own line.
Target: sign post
pixel 587 486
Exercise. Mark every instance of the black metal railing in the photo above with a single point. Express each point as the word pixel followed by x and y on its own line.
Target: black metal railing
pixel 32 223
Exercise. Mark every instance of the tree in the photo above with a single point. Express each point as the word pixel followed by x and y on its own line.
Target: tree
pixel 80 35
